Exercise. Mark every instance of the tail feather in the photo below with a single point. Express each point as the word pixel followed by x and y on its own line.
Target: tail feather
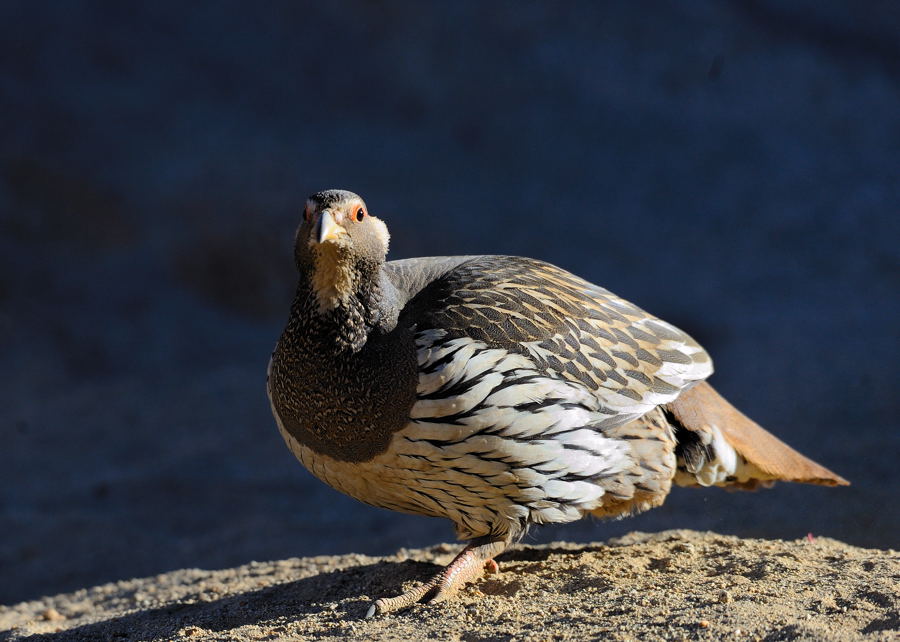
pixel 705 417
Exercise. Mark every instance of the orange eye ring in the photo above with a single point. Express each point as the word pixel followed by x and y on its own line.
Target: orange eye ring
pixel 360 214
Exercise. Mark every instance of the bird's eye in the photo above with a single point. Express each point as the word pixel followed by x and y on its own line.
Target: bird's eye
pixel 360 214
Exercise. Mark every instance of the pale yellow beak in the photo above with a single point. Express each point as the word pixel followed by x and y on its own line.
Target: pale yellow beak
pixel 329 230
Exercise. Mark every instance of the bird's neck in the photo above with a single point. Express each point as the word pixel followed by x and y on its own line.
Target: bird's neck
pixel 365 304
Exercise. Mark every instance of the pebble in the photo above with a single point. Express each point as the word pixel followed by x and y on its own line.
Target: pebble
pixel 52 615
pixel 725 597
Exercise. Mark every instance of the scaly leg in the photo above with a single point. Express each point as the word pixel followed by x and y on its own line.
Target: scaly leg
pixel 467 567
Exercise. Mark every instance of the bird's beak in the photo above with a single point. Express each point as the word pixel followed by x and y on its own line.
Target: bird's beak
pixel 329 230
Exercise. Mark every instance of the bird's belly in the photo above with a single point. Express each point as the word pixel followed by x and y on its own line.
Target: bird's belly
pixel 396 481
pixel 484 484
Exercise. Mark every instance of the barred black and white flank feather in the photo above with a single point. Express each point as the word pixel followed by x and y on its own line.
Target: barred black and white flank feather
pixel 496 391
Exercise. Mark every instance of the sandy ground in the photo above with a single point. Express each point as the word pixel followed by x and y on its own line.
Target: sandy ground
pixel 671 585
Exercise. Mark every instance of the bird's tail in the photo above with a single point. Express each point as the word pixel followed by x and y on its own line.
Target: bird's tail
pixel 720 446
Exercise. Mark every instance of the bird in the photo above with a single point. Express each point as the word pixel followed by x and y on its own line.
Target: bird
pixel 499 392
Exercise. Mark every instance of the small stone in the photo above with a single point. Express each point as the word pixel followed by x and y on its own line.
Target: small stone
pixel 52 615
pixel 725 597
pixel 703 624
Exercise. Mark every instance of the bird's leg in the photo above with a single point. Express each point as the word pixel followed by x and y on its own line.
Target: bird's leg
pixel 466 567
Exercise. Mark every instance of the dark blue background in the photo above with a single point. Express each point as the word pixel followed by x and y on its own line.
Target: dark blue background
pixel 733 167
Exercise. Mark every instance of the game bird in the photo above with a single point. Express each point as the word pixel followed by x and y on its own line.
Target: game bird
pixel 496 391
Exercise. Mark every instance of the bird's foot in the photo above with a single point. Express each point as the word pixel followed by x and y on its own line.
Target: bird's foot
pixel 474 560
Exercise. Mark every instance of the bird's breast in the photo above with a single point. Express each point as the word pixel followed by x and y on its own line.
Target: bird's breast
pixel 344 404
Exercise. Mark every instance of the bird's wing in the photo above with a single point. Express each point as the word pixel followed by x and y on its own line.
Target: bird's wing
pixel 566 326
pixel 409 276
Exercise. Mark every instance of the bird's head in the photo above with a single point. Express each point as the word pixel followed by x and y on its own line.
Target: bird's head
pixel 339 246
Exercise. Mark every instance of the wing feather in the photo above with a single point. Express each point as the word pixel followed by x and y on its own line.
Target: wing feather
pixel 566 326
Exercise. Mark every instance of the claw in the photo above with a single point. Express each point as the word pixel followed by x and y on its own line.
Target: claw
pixel 467 567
